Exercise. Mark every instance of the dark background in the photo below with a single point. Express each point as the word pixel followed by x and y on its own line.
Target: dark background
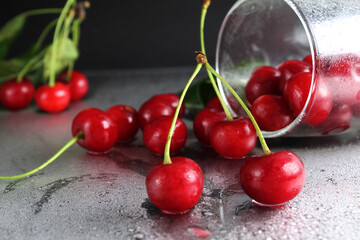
pixel 130 34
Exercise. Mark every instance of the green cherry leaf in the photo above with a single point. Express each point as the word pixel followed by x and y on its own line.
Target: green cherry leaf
pixel 67 54
pixel 9 32
pixel 197 96
pixel 10 68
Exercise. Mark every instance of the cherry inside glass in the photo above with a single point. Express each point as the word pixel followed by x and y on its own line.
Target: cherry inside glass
pixel 268 33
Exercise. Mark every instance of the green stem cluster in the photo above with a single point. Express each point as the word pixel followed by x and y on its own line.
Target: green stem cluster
pixel 243 105
pixel 63 149
pixel 202 43
pixel 55 46
pixel 30 65
pixel 75 39
pixel 211 71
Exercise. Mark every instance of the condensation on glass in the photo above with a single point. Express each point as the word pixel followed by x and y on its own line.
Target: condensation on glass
pixel 257 32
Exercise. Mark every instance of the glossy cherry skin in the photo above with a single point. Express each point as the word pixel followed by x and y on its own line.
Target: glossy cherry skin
pixel 100 131
pixel 173 99
pixel 154 108
pixel 52 99
pixel 308 59
pixel 78 84
pixel 271 112
pixel 296 92
pixel 204 121
pixel 175 188
pixel 16 95
pixel 338 120
pixel 290 68
pixel 264 80
pixel 273 179
pixel 233 139
pixel 214 103
pixel 127 119
pixel 155 134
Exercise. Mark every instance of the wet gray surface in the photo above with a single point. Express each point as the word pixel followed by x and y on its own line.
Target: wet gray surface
pixel 82 196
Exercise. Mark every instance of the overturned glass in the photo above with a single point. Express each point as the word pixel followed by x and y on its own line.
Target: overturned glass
pixel 259 33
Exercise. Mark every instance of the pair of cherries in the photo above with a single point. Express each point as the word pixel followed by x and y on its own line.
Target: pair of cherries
pixel 155 116
pixel 102 130
pixel 231 139
pixel 16 95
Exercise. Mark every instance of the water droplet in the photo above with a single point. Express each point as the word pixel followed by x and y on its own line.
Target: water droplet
pixel 138 236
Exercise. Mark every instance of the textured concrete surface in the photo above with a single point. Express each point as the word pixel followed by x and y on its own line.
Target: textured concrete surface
pixel 83 196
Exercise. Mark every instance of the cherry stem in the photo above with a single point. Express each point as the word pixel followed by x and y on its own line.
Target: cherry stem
pixel 167 159
pixel 66 28
pixel 75 38
pixel 41 11
pixel 43 35
pixel 63 149
pixel 258 131
pixel 202 43
pixel 54 49
pixel 29 65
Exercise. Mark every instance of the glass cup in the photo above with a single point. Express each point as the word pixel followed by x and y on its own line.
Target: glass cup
pixel 258 33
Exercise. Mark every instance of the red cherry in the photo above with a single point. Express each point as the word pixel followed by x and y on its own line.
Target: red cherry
pixel 273 179
pixel 127 120
pixel 16 95
pixel 308 59
pixel 338 120
pixel 233 139
pixel 290 68
pixel 155 134
pixel 154 108
pixel 52 99
pixel 78 84
pixel 100 131
pixel 271 112
pixel 296 92
pixel 214 103
pixel 173 99
pixel 264 80
pixel 205 121
pixel 341 65
pixel 176 187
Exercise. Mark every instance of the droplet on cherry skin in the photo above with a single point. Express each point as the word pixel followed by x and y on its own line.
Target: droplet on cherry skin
pixel 273 179
pixel 155 135
pixel 154 108
pixel 233 139
pixel 127 120
pixel 271 112
pixel 175 188
pixel 173 99
pixel 204 122
pixel 100 131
